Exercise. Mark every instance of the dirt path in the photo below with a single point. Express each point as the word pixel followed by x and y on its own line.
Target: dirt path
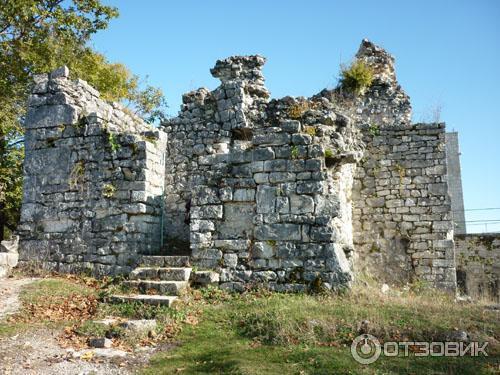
pixel 9 295
pixel 37 351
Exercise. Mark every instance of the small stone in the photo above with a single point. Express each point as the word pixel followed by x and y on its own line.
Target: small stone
pixel 205 278
pixel 63 71
pixel 230 260
pixel 101 353
pixel 106 322
pixel 141 325
pixel 364 326
pixel 100 342
pixel 457 336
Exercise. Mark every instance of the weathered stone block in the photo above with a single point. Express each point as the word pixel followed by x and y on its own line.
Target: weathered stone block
pixel 263 250
pixel 284 232
pixel 301 139
pixel 230 260
pixel 323 234
pixel 282 205
pixel 244 195
pixel 205 278
pixel 290 126
pixel 275 177
pixel 265 199
pixel 51 116
pixel 301 204
pixel 309 187
pixel 261 178
pixel 266 153
pixel 235 245
pixel 238 221
pixel 207 212
pixel 274 139
pixel 278 165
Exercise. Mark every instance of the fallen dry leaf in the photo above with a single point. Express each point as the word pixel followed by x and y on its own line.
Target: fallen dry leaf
pixel 87 356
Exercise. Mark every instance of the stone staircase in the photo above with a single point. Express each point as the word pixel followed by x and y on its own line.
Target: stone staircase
pixel 159 279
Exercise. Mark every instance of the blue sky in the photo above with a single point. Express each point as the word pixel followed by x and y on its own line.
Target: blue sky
pixel 447 55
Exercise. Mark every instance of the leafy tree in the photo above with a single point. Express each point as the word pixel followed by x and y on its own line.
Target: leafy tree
pixel 37 36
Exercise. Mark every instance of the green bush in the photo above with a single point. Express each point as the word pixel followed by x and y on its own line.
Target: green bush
pixel 356 78
pixel 328 154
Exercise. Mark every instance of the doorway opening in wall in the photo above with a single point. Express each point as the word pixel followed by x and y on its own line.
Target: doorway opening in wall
pixel 462 282
pixel 175 246
pixel 175 231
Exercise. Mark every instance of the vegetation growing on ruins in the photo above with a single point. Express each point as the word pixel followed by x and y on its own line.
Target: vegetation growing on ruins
pixel 108 191
pixel 113 142
pixel 356 78
pixel 296 110
pixel 76 175
pixel 311 130
pixel 328 154
pixel 374 129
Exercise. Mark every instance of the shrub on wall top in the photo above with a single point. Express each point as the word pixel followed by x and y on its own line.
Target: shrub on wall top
pixel 356 78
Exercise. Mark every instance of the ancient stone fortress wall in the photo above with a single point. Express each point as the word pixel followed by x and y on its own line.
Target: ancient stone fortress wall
pixel 94 176
pixel 262 192
pixel 478 265
pixel 402 216
pixel 401 209
pixel 293 192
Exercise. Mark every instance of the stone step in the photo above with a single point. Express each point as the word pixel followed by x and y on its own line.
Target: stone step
pixel 170 288
pixel 165 261
pixel 161 273
pixel 144 298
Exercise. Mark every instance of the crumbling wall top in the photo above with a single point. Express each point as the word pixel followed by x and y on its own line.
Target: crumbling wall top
pixel 240 67
pixel 379 60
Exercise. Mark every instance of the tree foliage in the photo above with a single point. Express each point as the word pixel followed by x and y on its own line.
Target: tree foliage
pixel 37 36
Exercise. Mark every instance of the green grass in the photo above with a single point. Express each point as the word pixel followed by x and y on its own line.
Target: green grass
pixel 260 332
pixel 268 333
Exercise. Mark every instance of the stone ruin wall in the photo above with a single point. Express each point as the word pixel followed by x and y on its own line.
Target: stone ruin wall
pixel 254 187
pixel 478 265
pixel 402 220
pixel 93 184
pixel 291 191
pixel 401 209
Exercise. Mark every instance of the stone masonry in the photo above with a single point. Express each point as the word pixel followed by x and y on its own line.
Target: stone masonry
pixel 262 202
pixel 291 192
pixel 478 265
pixel 402 219
pixel 94 176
